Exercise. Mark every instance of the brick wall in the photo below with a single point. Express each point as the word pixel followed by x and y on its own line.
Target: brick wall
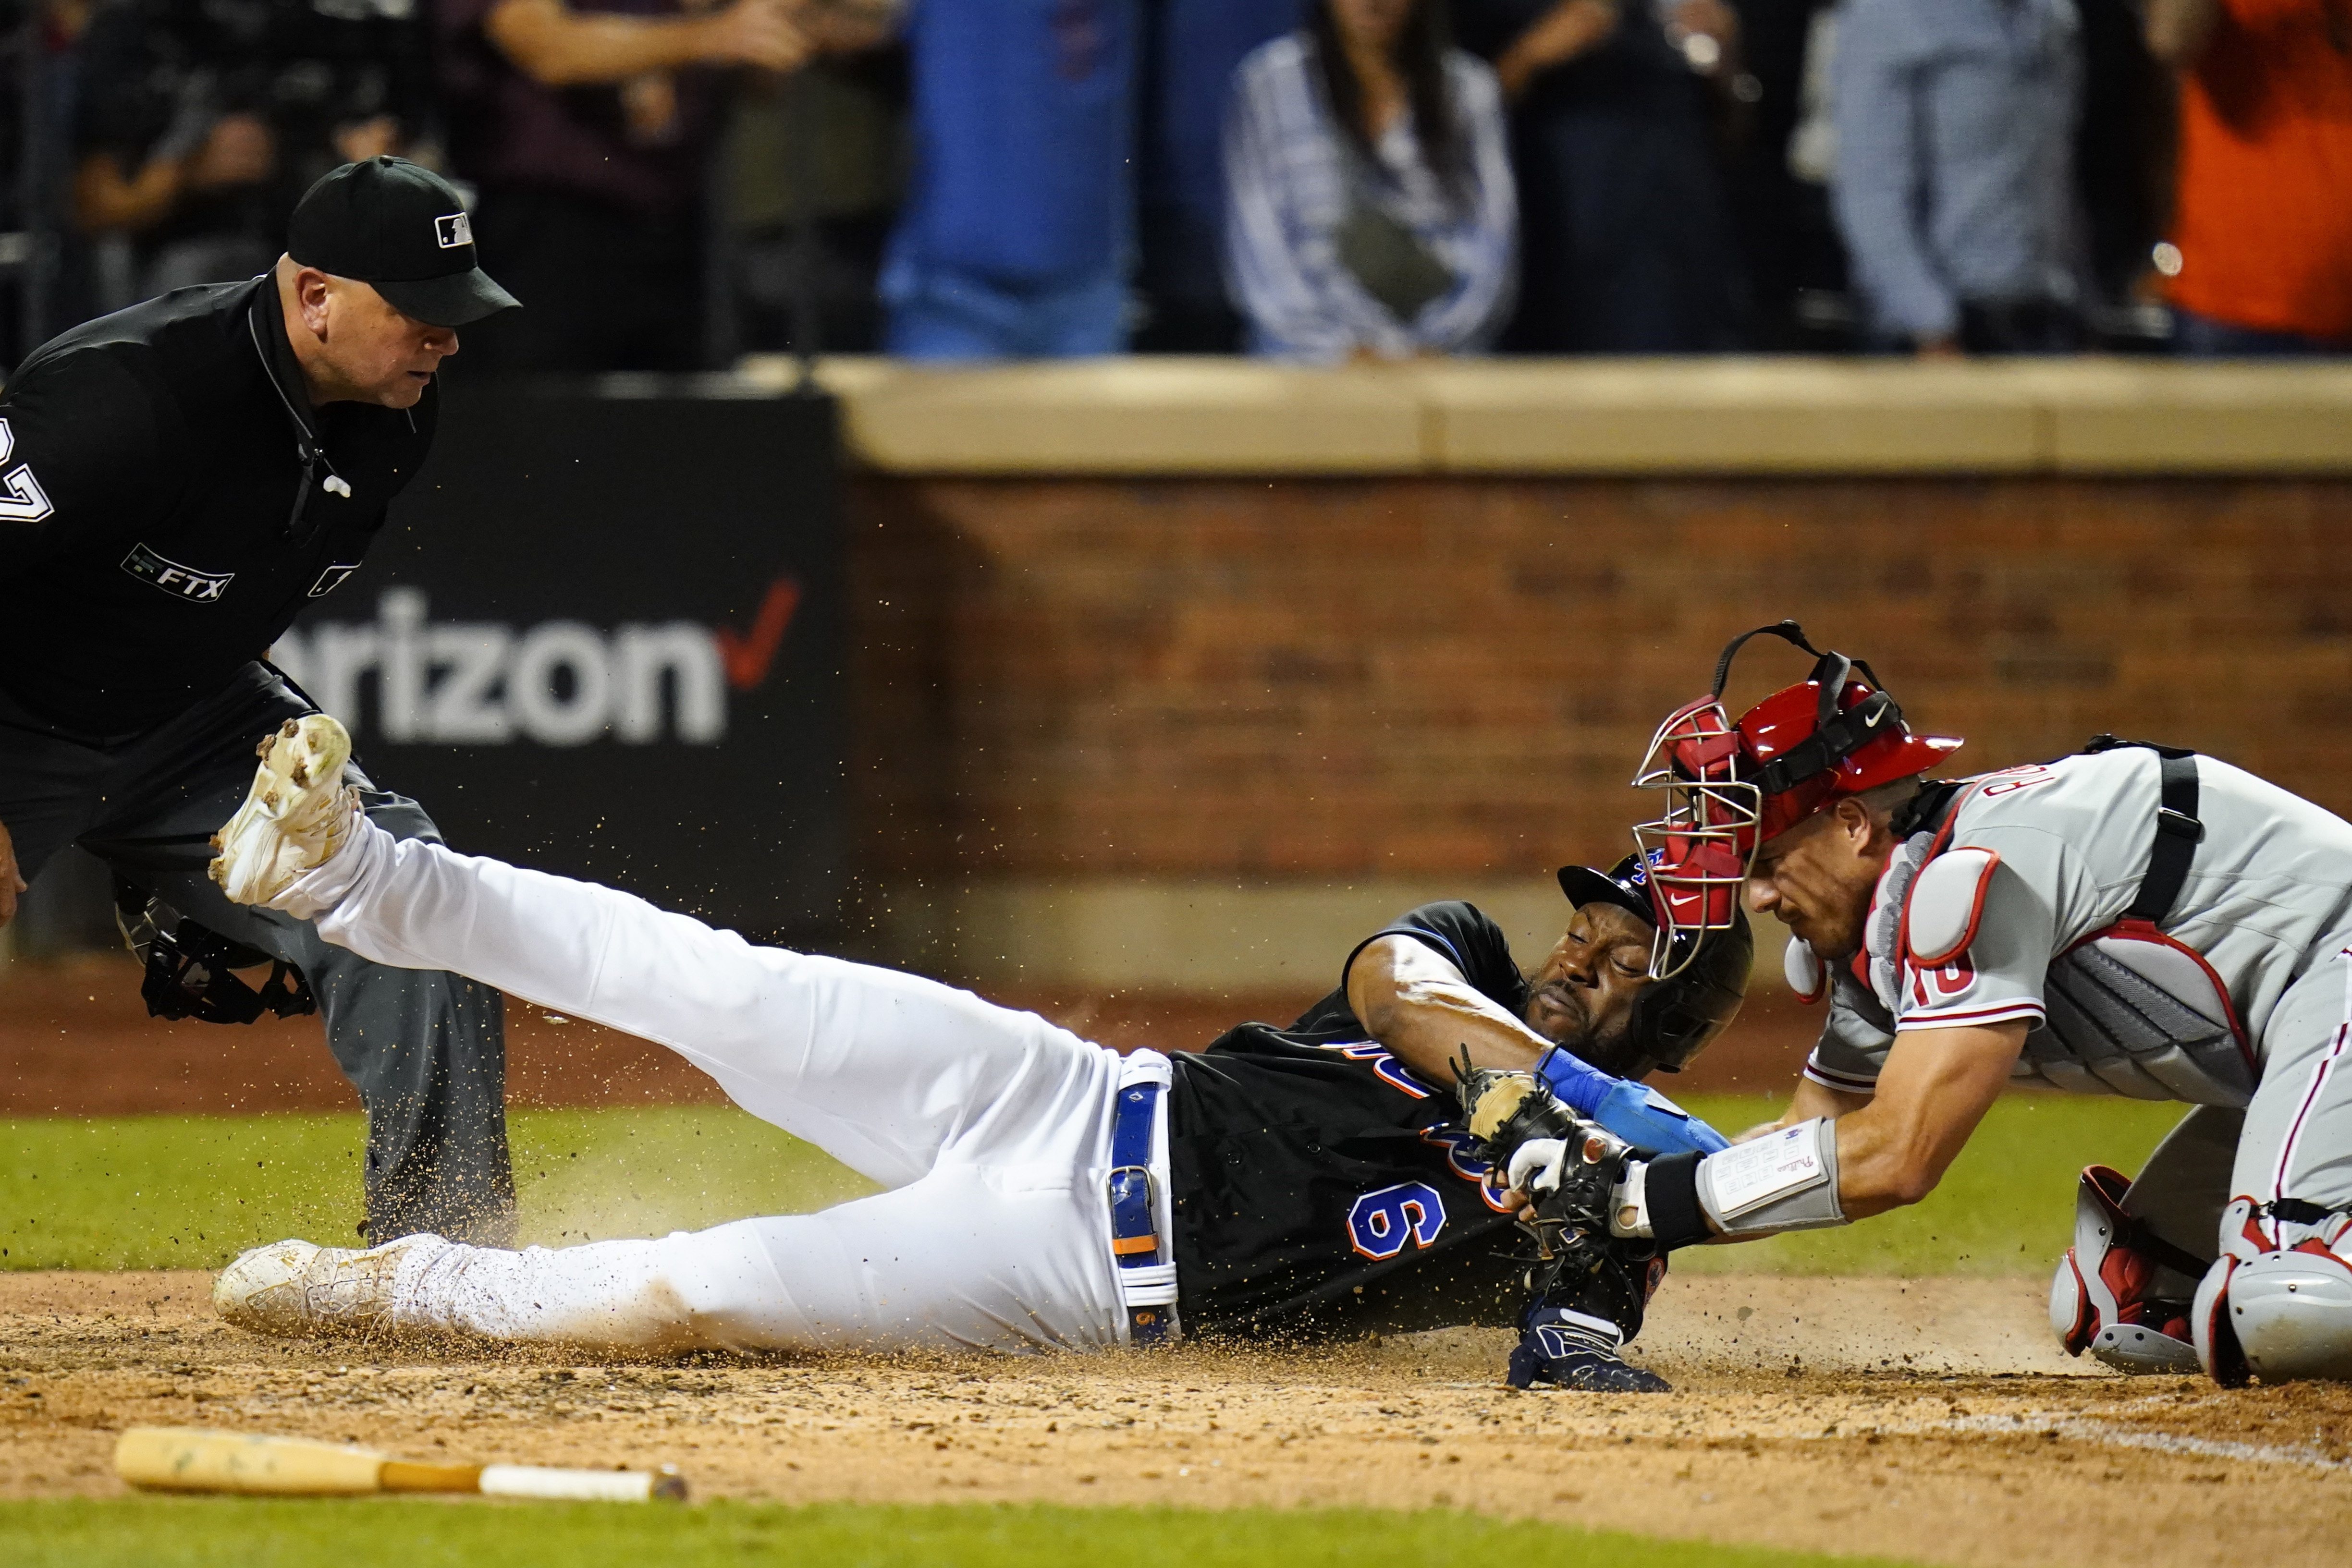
pixel 1331 679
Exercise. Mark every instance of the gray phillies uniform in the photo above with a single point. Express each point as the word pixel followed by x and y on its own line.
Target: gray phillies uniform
pixel 2267 905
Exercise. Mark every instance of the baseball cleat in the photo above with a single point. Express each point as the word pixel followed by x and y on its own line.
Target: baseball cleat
pixel 1595 1371
pixel 296 816
pixel 295 1288
pixel 2135 1349
pixel 1563 1349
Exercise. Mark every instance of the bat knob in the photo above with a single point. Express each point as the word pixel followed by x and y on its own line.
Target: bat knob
pixel 669 1486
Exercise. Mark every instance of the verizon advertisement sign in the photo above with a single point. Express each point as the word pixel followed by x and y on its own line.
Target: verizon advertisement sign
pixel 602 637
pixel 560 682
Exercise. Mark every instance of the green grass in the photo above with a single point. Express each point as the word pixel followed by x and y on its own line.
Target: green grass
pixel 192 1192
pixel 163 1532
pixel 184 1192
pixel 2006 1206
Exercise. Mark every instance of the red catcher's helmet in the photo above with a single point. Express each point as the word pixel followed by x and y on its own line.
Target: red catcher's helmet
pixel 1731 786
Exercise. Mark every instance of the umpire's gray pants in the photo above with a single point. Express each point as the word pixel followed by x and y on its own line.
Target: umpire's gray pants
pixel 426 1051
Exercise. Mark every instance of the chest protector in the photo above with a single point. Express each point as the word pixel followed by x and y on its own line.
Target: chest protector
pixel 2130 1010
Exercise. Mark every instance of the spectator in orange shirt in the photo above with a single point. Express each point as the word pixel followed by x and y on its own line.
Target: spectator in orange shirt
pixel 2260 256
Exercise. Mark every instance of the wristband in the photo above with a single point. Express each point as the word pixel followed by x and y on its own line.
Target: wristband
pixel 1670 1190
pixel 1629 1203
pixel 1785 1180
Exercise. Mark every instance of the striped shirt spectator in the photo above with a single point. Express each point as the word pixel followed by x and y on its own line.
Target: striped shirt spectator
pixel 1954 125
pixel 1296 186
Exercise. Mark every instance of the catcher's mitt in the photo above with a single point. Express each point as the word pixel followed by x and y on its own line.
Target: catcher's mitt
pixel 1583 1286
pixel 1569 1164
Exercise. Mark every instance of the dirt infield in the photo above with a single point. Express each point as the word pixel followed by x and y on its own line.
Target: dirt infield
pixel 1928 1420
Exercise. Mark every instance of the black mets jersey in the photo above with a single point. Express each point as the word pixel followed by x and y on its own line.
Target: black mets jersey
pixel 1321 1187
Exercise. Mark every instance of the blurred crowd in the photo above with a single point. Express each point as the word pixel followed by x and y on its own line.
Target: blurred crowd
pixel 667 183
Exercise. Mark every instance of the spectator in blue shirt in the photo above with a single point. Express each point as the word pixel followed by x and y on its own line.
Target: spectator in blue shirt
pixel 1955 126
pixel 1016 237
pixel 1371 213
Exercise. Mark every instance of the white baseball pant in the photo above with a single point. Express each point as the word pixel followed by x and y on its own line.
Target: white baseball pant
pixel 991 1127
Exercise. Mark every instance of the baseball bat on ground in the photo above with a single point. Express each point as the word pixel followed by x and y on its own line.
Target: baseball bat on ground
pixel 189 1458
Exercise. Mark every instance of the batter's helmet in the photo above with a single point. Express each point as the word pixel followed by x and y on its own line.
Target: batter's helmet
pixel 1677 1017
pixel 1732 786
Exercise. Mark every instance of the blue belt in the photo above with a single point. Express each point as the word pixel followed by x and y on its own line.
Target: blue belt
pixel 1134 1223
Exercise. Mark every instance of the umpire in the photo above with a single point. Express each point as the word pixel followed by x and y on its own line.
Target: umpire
pixel 177 481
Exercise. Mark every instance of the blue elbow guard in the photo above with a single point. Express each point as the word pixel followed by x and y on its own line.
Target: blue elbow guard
pixel 1648 1120
pixel 1580 1085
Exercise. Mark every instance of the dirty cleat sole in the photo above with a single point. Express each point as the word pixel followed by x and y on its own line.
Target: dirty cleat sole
pixel 296 816
pixel 296 1288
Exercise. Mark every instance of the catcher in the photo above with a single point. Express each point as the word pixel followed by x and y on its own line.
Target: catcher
pixel 1042 1191
pixel 2135 920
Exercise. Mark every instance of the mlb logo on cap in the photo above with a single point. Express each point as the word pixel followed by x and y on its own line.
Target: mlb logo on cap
pixel 367 220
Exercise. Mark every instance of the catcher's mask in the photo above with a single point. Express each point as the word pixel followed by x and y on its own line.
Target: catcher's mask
pixel 189 966
pixel 1731 786
pixel 1676 1016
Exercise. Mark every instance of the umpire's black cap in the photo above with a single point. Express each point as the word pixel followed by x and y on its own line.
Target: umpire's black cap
pixel 401 228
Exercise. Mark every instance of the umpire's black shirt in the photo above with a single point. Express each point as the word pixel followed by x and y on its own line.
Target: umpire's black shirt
pixel 165 503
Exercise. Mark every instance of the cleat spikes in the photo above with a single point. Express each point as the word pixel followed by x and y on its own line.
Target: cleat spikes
pixel 297 815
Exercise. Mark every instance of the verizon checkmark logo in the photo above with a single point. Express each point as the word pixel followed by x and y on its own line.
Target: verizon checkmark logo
pixel 749 656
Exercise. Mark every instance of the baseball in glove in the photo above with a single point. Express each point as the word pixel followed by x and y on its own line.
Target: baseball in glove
pixel 1586 1290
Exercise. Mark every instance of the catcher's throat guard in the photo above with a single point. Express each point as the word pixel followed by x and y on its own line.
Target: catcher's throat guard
pixel 1731 785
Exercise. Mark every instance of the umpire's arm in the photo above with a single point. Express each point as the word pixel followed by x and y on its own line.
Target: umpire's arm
pixel 1415 1002
pixel 82 432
